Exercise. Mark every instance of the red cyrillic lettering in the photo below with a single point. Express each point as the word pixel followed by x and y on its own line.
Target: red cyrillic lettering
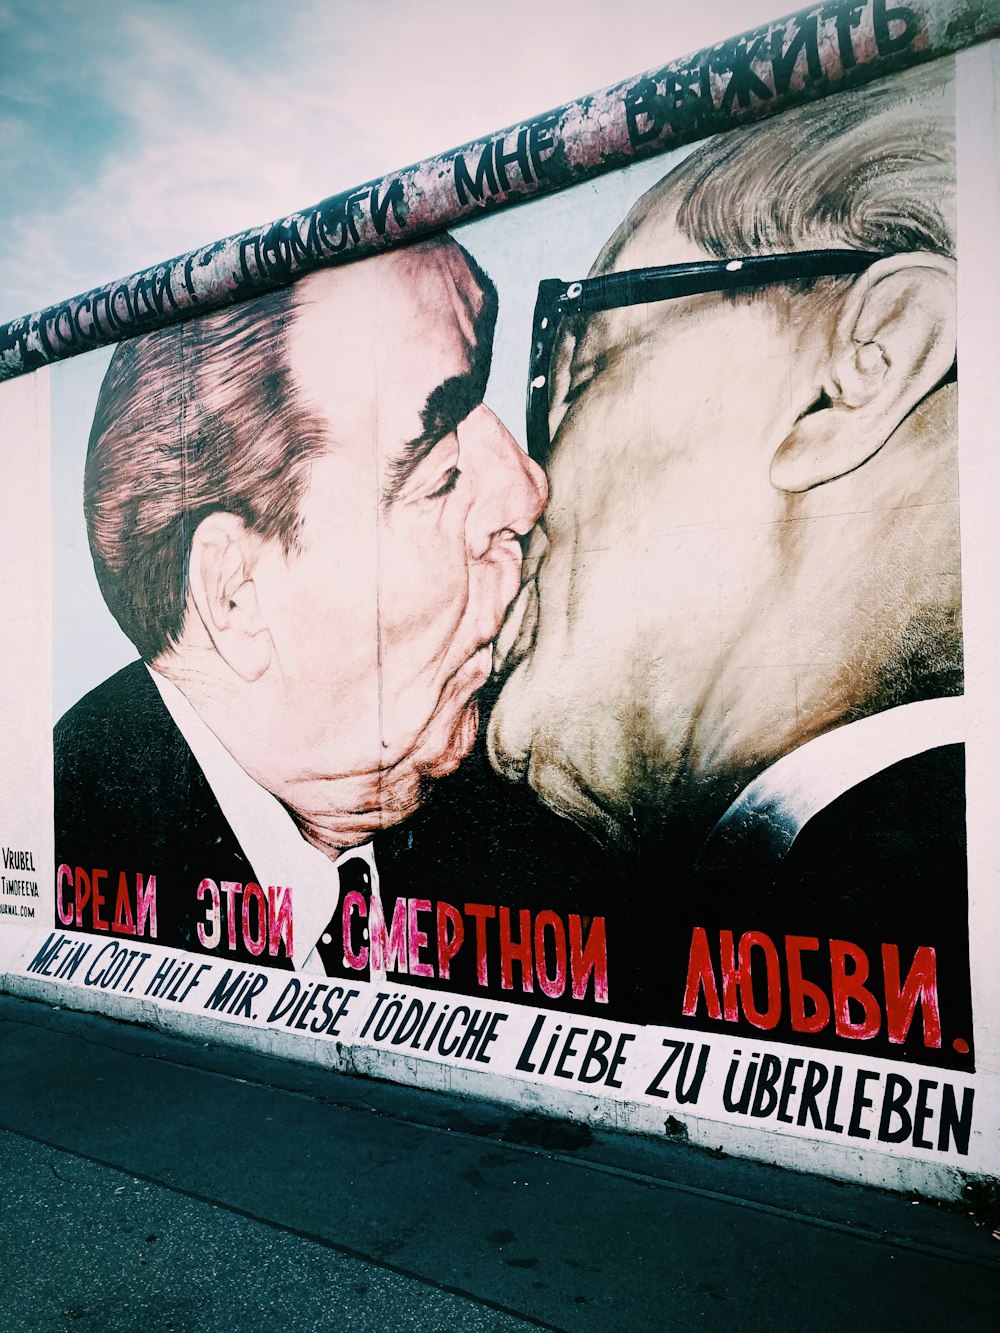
pixel 701 977
pixel 554 985
pixel 901 1001
pixel 800 990
pixel 849 986
pixel 448 943
pixel 588 958
pixel 511 952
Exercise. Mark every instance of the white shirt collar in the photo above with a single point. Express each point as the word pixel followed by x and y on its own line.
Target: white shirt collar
pixel 808 779
pixel 266 831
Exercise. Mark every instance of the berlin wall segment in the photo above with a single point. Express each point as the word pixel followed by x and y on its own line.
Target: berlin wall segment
pixel 818 50
pixel 624 776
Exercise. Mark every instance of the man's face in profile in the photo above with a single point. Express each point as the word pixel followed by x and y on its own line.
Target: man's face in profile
pixel 383 621
pixel 670 640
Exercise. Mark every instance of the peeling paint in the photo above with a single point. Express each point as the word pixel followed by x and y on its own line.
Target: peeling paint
pixel 817 51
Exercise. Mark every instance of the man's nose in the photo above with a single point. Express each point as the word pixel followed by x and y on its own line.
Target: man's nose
pixel 511 489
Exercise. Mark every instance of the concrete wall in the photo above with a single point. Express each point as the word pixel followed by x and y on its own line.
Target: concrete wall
pixel 636 766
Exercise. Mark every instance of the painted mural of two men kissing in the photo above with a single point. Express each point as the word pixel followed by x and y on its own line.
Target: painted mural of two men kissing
pixel 750 544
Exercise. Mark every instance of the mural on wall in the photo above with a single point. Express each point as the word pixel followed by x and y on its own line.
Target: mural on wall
pixel 741 646
pixel 657 724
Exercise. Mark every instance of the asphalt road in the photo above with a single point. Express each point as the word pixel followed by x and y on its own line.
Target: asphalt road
pixel 151 1183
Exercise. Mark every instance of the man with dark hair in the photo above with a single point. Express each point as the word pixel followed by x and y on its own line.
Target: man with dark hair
pixel 308 522
pixel 198 417
pixel 737 655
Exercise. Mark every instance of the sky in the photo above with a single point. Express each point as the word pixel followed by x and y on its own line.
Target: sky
pixel 134 130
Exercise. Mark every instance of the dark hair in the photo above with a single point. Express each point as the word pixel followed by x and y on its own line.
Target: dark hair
pixel 198 417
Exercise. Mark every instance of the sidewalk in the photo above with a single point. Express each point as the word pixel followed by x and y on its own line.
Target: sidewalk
pixel 149 1183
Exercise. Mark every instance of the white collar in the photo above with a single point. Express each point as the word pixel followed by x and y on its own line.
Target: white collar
pixel 265 830
pixel 785 796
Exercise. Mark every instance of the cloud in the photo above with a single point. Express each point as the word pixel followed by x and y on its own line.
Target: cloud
pixel 193 120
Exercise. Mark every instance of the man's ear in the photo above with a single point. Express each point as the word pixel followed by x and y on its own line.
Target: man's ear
pixel 894 341
pixel 221 586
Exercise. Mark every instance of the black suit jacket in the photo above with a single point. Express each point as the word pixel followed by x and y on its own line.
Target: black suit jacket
pixel 885 863
pixel 129 795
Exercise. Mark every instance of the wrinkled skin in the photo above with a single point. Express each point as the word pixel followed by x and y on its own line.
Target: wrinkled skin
pixel 693 622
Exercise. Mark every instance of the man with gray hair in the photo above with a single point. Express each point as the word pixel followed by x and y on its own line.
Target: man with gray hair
pixel 737 656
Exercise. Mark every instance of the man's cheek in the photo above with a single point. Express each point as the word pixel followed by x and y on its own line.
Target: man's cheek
pixel 426 585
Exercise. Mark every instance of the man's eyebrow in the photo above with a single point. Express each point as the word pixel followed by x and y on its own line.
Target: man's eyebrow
pixel 450 402
pixel 446 408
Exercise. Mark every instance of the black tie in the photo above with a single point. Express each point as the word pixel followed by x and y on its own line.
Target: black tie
pixel 354 876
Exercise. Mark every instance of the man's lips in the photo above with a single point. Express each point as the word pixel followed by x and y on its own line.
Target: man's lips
pixel 517 633
pixel 471 676
pixel 479 664
pixel 513 628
